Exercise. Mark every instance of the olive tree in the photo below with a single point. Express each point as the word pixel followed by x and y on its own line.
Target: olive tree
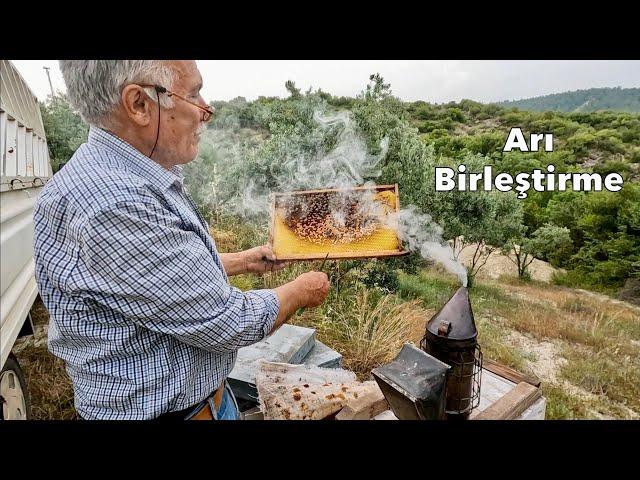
pixel 548 240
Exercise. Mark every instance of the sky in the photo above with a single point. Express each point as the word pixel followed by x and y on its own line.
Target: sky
pixel 435 81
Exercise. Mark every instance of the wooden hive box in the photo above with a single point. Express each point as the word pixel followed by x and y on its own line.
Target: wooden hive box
pixel 505 394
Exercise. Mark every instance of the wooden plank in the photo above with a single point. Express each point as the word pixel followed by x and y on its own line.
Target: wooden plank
pixel 272 220
pixel 513 404
pixel 493 388
pixel 365 407
pixel 510 373
pixel 535 411
pixel 343 255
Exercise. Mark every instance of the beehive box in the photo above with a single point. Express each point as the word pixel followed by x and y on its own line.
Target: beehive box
pixel 336 223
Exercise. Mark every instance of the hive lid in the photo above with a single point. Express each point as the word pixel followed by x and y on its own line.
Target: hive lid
pixel 455 319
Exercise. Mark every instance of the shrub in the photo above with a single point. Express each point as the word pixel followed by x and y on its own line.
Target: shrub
pixel 369 331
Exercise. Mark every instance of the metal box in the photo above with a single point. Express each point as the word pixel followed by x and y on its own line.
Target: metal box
pixel 414 384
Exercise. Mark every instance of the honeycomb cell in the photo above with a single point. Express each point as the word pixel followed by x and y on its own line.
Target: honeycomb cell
pixel 379 240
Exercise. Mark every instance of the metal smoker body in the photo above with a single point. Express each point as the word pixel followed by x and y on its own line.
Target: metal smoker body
pixel 451 337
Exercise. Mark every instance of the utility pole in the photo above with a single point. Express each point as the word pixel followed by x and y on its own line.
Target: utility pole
pixel 49 77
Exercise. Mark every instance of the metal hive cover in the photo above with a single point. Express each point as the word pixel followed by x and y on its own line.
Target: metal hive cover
pixel 18 100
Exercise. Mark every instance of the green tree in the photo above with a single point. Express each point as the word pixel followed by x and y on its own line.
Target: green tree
pixel 377 90
pixel 548 241
pixel 255 143
pixel 291 88
pixel 64 128
pixel 487 219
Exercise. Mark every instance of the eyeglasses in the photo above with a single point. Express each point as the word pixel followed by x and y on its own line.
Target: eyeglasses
pixel 208 110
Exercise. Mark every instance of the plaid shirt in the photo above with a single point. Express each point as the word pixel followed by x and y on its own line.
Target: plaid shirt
pixel 141 308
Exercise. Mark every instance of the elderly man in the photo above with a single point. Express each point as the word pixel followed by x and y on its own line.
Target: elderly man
pixel 141 308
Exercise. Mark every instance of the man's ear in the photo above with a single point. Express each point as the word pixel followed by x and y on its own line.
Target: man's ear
pixel 137 105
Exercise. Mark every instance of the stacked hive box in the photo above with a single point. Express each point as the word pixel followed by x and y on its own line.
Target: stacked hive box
pixel 289 344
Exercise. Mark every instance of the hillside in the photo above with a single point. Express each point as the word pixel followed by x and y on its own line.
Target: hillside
pixel 242 158
pixel 591 100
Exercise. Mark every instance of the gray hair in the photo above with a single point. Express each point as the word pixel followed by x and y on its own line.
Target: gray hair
pixel 94 86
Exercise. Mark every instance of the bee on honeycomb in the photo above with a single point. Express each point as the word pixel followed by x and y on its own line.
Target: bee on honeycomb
pixel 335 217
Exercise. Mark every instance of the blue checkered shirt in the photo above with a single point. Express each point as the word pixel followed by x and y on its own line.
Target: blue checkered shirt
pixel 141 307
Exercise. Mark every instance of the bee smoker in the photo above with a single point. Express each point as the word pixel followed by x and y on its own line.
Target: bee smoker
pixel 451 337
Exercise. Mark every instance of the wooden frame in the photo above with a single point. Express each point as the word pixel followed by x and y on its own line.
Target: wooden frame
pixel 337 255
pixel 509 373
pixel 511 405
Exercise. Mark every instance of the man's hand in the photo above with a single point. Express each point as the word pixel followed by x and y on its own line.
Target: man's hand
pixel 313 287
pixel 308 290
pixel 261 260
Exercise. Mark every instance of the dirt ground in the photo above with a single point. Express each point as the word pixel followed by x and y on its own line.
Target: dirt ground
pixel 50 387
pixel 499 265
pixel 583 346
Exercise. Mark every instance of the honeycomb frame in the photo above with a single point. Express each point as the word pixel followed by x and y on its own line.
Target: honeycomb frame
pixel 287 245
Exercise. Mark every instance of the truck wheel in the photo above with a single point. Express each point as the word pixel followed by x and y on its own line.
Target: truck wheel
pixel 13 391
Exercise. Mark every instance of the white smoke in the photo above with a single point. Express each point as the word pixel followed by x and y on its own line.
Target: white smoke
pixel 419 233
pixel 347 164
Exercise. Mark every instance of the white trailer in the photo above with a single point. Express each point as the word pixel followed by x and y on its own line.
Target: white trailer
pixel 25 168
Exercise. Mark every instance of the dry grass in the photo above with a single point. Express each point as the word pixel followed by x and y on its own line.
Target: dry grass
pixel 371 331
pixel 226 241
pixel 600 349
pixel 50 387
pixel 563 406
pixel 584 321
pixel 493 338
pixel 231 235
pixel 605 373
pixel 596 341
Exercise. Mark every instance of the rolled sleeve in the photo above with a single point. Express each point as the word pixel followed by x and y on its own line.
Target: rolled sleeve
pixel 270 307
pixel 144 264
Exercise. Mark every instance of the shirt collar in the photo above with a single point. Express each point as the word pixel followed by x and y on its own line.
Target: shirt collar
pixel 139 162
